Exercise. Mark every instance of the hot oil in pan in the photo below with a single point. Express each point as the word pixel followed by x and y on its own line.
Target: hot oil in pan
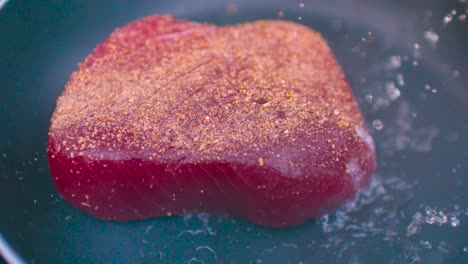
pixel 413 210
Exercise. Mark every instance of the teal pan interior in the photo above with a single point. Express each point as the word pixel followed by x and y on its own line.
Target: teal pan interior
pixel 406 62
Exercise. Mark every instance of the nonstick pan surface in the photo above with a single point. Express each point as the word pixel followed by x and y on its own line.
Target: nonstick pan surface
pixel 406 62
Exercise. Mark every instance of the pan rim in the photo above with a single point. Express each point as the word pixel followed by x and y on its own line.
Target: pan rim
pixel 8 253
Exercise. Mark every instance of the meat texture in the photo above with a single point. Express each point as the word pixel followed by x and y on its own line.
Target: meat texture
pixel 168 117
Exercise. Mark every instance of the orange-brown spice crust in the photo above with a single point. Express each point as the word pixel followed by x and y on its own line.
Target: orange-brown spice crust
pixel 202 93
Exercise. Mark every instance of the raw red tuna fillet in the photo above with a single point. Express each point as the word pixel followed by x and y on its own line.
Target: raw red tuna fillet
pixel 168 117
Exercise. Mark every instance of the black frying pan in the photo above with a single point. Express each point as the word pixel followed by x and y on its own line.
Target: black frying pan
pixel 406 62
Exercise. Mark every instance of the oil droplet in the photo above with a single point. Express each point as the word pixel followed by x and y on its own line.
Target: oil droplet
pixel 400 79
pixel 430 211
pixel 431 37
pixel 394 62
pixel 416 50
pixel 447 19
pixel 426 244
pixel 392 91
pixel 378 124
pixel 454 222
